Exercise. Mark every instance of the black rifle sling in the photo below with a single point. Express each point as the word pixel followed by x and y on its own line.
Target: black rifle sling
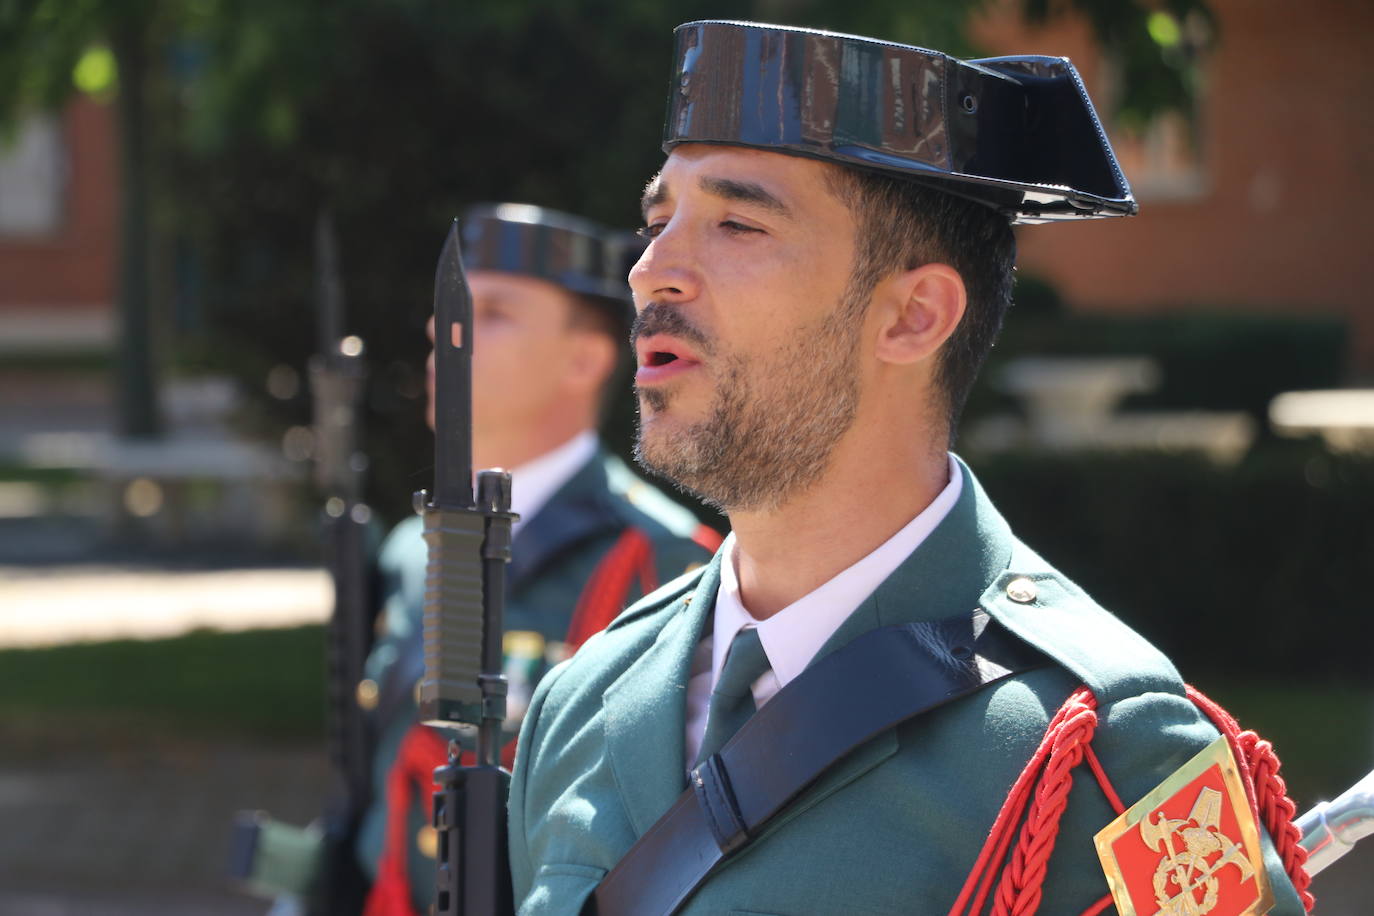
pixel 880 680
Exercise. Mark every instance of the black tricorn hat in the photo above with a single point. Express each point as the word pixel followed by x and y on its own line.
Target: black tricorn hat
pixel 575 253
pixel 1016 133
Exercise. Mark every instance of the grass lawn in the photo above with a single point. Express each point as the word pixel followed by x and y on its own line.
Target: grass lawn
pixel 266 684
pixel 269 685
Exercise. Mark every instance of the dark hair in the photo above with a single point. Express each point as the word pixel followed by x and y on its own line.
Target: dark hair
pixel 611 318
pixel 902 225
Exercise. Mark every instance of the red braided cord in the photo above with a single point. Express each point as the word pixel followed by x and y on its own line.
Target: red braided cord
pixel 648 576
pixel 604 595
pixel 707 538
pixel 1228 726
pixel 417 753
pixel 1098 907
pixel 1020 889
pixel 1065 745
pixel 979 881
pixel 1106 784
pixel 1267 790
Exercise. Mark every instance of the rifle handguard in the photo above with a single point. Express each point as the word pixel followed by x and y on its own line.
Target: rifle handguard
pixel 450 690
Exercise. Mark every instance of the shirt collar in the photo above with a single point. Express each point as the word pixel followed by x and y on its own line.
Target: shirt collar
pixel 793 636
pixel 534 482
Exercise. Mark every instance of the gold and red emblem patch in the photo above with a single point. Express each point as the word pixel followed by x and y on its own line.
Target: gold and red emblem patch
pixel 1190 847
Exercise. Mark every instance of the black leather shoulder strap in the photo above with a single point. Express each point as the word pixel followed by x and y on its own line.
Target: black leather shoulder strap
pixel 878 681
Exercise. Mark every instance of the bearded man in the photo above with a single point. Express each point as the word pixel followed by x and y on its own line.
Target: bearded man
pixel 831 255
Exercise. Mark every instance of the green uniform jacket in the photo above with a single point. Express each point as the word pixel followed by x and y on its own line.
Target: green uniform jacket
pixel 553 555
pixel 894 827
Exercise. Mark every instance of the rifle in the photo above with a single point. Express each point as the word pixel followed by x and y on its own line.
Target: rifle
pixel 337 379
pixel 318 863
pixel 469 546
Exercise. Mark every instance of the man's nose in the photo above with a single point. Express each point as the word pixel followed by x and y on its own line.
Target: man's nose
pixel 667 271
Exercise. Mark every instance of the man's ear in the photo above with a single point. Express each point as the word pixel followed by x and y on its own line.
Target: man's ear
pixel 917 310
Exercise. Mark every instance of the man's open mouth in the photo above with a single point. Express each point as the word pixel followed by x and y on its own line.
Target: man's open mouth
pixel 660 358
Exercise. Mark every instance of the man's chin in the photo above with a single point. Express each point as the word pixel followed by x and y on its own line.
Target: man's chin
pixel 653 442
pixel 659 445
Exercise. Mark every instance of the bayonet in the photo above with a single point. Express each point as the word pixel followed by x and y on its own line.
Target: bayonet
pixel 469 547
pixel 453 375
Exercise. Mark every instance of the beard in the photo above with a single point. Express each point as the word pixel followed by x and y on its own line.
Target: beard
pixel 775 419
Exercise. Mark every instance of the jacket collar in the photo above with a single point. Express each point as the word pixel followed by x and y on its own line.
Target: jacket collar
pixel 946 575
pixel 578 510
pixel 645 708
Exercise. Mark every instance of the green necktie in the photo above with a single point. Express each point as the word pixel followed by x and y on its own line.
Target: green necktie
pixel 732 702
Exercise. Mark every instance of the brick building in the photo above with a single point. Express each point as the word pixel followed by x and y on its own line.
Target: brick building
pixel 58 244
pixel 1270 210
pixel 1265 213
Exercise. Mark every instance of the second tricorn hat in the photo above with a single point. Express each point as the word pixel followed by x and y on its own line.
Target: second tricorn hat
pixel 1015 133
pixel 575 253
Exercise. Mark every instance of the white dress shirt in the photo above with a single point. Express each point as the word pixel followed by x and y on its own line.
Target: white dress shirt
pixel 792 637
pixel 534 482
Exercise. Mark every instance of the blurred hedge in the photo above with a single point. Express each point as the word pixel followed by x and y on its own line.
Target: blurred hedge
pixel 1208 359
pixel 1258 570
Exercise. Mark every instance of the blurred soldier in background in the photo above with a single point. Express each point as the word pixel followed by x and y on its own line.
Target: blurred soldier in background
pixel 551 315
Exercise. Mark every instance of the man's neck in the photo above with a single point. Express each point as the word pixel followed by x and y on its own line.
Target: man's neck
pixel 516 445
pixel 869 492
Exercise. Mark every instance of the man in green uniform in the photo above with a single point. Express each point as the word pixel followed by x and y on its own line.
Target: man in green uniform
pixel 550 321
pixel 830 261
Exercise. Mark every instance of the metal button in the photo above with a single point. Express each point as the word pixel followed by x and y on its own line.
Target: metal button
pixel 1022 590
pixel 367 694
pixel 427 841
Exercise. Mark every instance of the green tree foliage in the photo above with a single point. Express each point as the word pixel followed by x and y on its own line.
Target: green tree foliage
pixel 395 114
pixel 1153 47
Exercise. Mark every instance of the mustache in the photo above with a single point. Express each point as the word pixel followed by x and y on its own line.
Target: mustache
pixel 661 318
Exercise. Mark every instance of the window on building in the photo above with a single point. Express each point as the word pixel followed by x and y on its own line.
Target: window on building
pixel 1164 162
pixel 32 179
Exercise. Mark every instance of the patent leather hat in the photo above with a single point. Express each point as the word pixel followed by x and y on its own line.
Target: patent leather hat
pixel 1016 133
pixel 575 253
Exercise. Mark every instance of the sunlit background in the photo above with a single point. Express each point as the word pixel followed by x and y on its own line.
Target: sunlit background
pixel 1174 416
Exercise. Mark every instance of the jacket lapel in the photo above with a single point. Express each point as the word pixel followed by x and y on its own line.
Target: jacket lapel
pixel 646 709
pixel 577 511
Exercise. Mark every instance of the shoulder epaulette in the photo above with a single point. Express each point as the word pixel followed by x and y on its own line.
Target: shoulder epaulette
pixel 645 506
pixel 1047 610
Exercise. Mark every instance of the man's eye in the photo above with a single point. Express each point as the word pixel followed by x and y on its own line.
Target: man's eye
pixel 730 225
pixel 649 232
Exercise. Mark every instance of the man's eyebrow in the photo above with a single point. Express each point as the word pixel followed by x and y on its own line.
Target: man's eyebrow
pixel 745 192
pixel 656 192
